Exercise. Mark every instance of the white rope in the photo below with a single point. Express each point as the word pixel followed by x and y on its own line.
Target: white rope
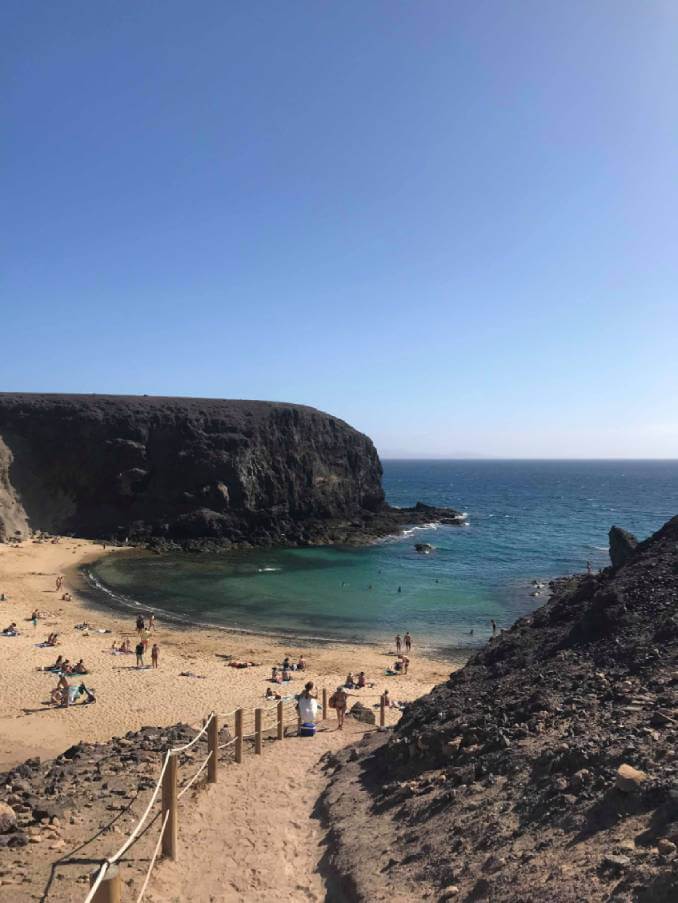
pixel 228 714
pixel 133 836
pixel 224 745
pixel 153 858
pixel 195 776
pixel 95 887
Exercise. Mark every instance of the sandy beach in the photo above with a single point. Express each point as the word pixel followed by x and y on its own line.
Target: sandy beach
pixel 127 698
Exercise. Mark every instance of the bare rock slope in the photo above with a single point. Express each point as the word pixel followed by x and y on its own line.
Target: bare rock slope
pixel 547 768
pixel 189 469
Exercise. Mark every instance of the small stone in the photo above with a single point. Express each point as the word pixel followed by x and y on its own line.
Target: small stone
pixel 666 847
pixel 35 838
pixel 7 818
pixel 494 864
pixel 449 892
pixel 618 863
pixel 629 778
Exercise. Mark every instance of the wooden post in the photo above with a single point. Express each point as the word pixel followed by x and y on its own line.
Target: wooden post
pixel 299 722
pixel 109 889
pixel 382 710
pixel 169 804
pixel 324 703
pixel 257 731
pixel 213 747
pixel 281 722
pixel 238 736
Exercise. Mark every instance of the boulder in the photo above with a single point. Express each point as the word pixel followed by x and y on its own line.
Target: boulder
pixel 622 546
pixel 361 713
pixel 7 819
pixel 666 847
pixel 629 779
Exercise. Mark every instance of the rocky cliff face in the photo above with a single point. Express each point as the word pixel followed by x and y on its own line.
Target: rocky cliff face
pixel 179 467
pixel 546 768
pixel 187 469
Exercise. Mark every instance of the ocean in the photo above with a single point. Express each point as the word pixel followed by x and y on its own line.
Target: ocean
pixel 526 521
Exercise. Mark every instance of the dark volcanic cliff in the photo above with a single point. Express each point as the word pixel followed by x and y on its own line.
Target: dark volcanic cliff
pixel 503 784
pixel 187 468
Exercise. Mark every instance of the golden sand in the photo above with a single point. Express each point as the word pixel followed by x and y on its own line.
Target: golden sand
pixel 128 698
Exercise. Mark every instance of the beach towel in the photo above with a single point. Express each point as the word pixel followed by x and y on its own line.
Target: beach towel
pixel 308 708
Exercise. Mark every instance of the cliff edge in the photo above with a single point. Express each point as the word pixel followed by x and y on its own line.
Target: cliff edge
pixel 188 469
pixel 546 768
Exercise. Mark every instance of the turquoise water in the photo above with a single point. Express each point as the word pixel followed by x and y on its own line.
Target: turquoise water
pixel 526 520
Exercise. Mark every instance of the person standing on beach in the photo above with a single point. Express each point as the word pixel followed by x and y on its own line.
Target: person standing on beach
pixel 140 654
pixel 494 626
pixel 408 641
pixel 141 626
pixel 154 655
pixel 340 699
pixel 399 643
pixel 59 582
pixel 589 569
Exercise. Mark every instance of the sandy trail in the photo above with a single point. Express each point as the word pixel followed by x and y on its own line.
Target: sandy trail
pixel 254 835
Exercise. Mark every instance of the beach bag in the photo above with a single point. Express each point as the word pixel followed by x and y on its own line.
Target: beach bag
pixel 332 702
pixel 307 729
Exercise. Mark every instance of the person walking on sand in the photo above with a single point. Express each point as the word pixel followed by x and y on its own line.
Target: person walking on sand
pixel 154 655
pixel 399 643
pixel 408 641
pixel 141 626
pixel 139 649
pixel 59 582
pixel 340 700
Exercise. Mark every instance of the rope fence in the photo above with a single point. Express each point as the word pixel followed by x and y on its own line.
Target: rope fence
pixel 106 882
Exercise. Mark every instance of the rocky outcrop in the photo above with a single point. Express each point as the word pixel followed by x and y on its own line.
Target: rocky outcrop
pixel 622 546
pixel 190 470
pixel 547 767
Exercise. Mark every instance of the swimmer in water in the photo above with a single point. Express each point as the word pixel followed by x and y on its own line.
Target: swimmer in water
pixel 400 589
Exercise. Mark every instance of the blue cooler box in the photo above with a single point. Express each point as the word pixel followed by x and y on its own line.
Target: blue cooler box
pixel 307 729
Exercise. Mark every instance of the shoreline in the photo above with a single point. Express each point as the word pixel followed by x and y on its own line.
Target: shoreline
pixel 127 698
pixel 102 597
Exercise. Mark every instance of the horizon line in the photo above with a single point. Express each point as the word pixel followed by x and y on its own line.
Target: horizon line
pixel 481 458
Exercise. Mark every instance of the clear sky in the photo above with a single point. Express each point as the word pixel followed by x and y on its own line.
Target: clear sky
pixel 453 223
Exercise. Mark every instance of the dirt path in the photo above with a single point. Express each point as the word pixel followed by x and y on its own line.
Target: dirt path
pixel 253 836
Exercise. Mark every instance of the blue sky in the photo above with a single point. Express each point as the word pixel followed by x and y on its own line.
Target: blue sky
pixel 453 224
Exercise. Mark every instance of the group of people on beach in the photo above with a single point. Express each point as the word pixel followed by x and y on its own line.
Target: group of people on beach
pixel 65 694
pixel 144 638
pixel 407 640
pixel 283 673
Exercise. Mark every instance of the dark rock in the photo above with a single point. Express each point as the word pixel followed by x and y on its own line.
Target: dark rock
pixel 362 713
pixel 622 546
pixel 615 862
pixel 202 473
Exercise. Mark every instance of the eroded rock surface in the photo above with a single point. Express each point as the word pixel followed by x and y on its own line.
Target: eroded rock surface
pixel 190 470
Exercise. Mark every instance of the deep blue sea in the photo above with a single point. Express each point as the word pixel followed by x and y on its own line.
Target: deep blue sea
pixel 526 520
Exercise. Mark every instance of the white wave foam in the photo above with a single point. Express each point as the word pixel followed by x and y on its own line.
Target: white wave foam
pixel 411 530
